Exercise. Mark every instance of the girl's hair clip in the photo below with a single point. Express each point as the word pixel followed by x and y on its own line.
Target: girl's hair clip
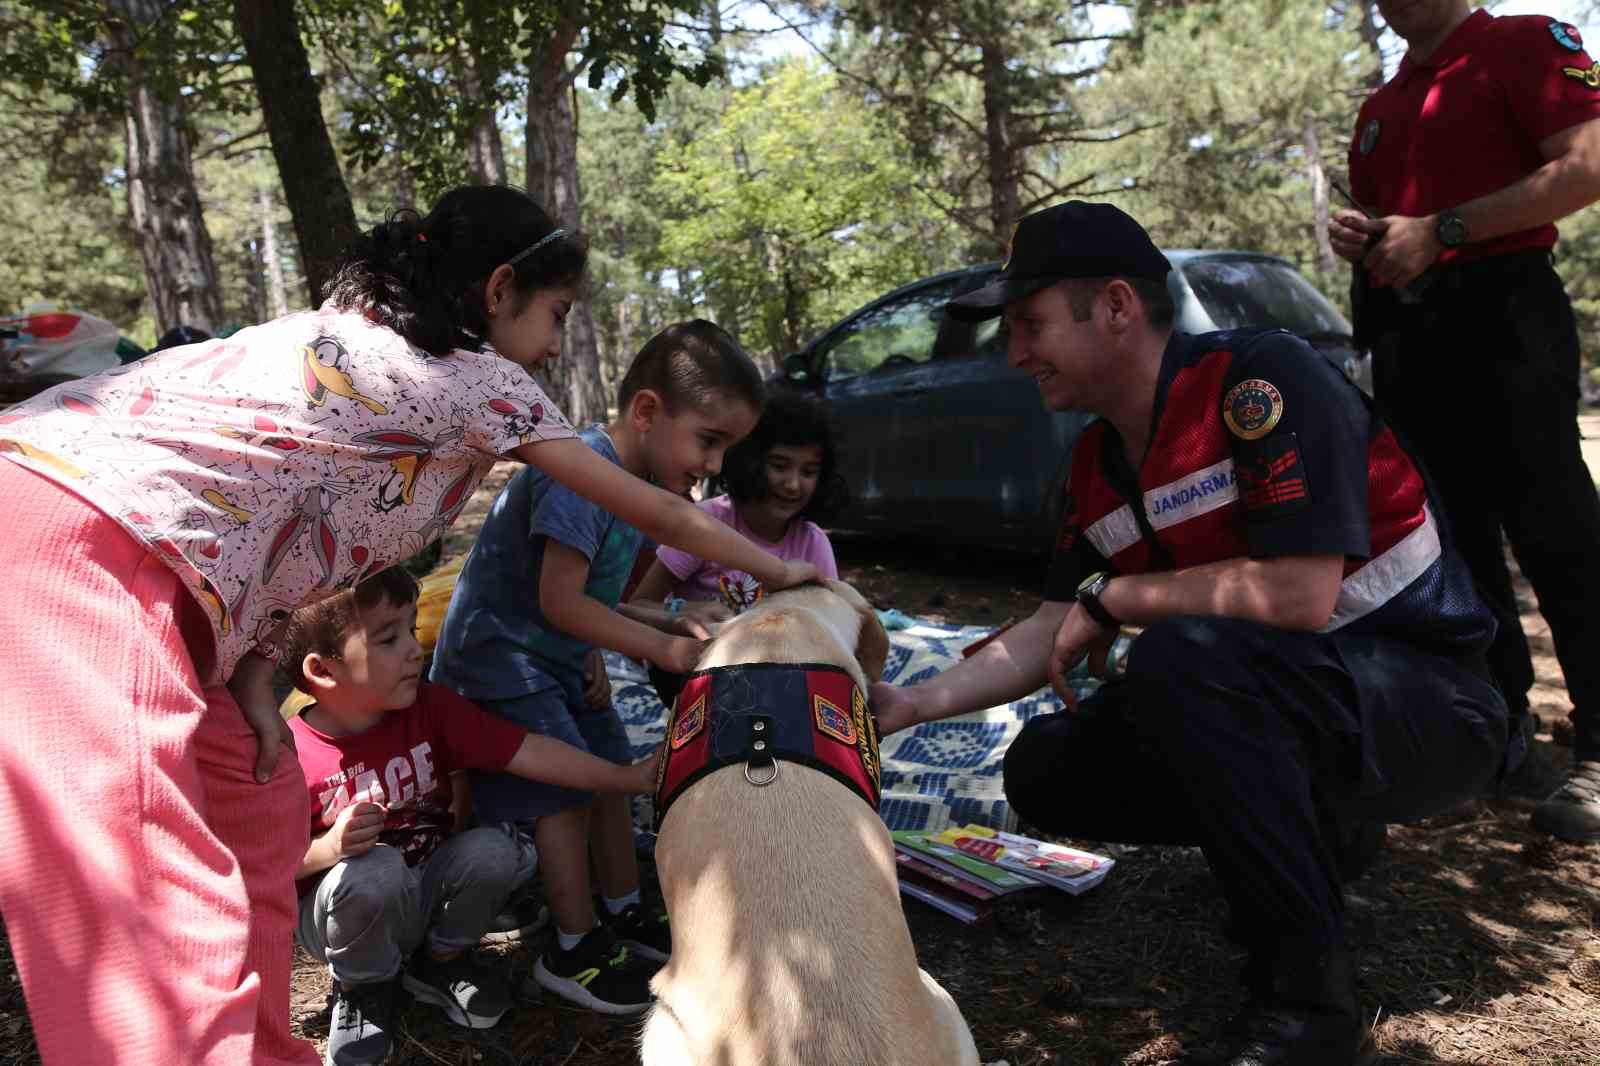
pixel 553 235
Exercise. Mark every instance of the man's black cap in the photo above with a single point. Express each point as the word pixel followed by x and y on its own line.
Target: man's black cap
pixel 1070 240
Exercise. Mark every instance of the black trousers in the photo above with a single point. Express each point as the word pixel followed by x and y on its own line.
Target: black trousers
pixel 1480 379
pixel 1257 745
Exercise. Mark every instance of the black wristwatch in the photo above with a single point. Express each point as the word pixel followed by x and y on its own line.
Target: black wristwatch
pixel 1089 590
pixel 1451 229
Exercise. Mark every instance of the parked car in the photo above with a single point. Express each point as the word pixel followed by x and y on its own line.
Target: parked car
pixel 938 436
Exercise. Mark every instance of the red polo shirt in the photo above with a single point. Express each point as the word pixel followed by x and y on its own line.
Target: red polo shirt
pixel 1468 120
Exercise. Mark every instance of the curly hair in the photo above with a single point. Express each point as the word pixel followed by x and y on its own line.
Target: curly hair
pixel 790 419
pixel 424 276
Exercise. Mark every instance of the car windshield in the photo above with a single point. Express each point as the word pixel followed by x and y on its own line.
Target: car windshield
pixel 1238 293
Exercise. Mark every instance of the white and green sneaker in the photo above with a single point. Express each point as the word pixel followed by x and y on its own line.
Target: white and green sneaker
pixel 598 973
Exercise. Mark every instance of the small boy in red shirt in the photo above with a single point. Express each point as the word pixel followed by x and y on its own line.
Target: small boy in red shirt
pixel 389 896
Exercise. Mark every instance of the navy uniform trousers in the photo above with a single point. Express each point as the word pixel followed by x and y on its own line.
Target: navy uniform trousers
pixel 1479 378
pixel 1257 744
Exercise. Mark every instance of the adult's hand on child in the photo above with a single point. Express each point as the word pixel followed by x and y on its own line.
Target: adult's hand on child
pixel 682 655
pixel 596 685
pixel 894 707
pixel 355 831
pixel 251 687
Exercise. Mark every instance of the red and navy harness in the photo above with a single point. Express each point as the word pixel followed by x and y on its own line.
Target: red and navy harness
pixel 810 713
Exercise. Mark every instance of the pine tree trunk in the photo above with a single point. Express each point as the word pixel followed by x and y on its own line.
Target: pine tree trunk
pixel 552 147
pixel 1327 261
pixel 1005 201
pixel 319 200
pixel 272 260
pixel 163 203
pixel 486 157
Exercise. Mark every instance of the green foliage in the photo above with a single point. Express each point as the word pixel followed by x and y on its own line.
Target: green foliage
pixel 1233 88
pixel 790 209
pixel 416 78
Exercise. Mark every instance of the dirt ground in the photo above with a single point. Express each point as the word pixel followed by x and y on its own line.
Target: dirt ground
pixel 1478 937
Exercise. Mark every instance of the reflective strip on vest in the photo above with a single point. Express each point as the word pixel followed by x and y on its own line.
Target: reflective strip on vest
pixel 1385 577
pixel 1190 496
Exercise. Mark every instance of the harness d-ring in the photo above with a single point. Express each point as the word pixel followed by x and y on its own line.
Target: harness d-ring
pixel 758 754
pixel 765 781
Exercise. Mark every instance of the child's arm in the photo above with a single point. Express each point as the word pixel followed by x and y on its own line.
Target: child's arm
pixel 566 607
pixel 555 762
pixel 660 515
pixel 354 832
pixel 654 588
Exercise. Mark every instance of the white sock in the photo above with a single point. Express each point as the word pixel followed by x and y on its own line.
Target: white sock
pixel 616 906
pixel 567 941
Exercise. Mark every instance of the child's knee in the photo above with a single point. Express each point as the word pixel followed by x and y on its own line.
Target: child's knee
pixel 369 883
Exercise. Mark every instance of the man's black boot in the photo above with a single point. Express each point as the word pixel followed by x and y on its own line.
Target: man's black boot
pixel 1309 1018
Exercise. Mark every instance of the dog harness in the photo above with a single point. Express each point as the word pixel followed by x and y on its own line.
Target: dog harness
pixel 756 713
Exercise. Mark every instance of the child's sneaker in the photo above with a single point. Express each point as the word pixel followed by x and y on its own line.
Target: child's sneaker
pixel 363 1017
pixel 597 973
pixel 517 922
pixel 645 931
pixel 471 995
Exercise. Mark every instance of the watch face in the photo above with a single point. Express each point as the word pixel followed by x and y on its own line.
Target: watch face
pixel 1452 230
pixel 1089 582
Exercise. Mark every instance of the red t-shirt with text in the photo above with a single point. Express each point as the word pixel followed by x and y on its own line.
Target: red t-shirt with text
pixel 405 761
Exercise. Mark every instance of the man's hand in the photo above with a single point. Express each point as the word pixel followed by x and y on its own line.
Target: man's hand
pixel 596 685
pixel 1079 635
pixel 251 686
pixel 894 707
pixel 682 655
pixel 1407 247
pixel 1351 234
pixel 356 830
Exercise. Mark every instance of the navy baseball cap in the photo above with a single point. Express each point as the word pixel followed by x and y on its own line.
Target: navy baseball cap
pixel 1071 240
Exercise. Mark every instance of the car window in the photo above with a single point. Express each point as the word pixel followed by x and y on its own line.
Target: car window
pixel 892 335
pixel 1239 293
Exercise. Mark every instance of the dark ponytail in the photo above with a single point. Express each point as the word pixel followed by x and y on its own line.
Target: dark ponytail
pixel 424 277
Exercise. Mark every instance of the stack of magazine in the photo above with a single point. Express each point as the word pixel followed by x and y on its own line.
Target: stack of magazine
pixel 964 871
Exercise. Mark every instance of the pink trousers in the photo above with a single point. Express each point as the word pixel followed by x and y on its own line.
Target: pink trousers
pixel 146 880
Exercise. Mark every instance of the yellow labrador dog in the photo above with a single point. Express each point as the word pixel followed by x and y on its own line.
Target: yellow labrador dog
pixel 789 946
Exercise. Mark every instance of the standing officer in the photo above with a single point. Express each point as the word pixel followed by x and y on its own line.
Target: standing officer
pixel 1485 136
pixel 1312 657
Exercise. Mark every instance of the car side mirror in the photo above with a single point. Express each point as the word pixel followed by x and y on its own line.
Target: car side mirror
pixel 796 368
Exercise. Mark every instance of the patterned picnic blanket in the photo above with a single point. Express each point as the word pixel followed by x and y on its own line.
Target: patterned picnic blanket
pixel 934 775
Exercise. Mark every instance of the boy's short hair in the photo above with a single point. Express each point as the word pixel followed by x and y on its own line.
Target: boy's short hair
pixel 688 364
pixel 321 628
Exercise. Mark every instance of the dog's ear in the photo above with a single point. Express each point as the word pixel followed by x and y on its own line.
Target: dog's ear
pixel 872 644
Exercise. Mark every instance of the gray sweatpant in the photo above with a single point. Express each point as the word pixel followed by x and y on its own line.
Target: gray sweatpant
pixel 371 912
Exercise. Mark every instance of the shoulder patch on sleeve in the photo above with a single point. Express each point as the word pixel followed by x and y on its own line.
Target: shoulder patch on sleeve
pixel 1566 35
pixel 1272 478
pixel 1252 408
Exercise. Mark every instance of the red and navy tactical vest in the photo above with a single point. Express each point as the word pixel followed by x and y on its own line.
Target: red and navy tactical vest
pixel 1202 481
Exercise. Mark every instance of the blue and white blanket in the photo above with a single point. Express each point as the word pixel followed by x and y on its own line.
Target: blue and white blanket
pixel 934 775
